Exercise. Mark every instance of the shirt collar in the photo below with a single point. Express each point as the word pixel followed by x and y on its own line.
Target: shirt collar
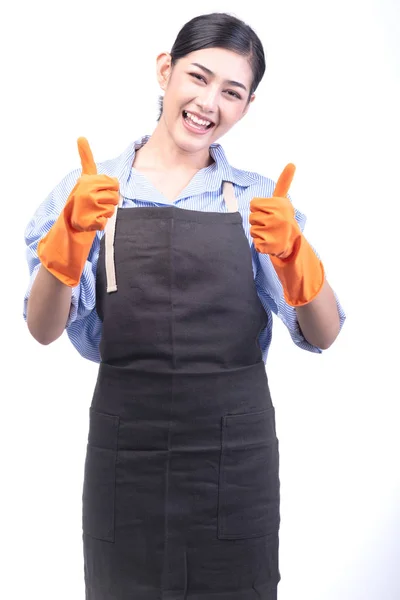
pixel 208 179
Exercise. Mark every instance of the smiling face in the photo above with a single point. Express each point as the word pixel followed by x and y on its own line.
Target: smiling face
pixel 206 93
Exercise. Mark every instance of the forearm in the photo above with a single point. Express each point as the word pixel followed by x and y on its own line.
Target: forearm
pixel 319 319
pixel 48 307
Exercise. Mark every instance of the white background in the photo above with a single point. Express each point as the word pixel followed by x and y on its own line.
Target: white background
pixel 329 102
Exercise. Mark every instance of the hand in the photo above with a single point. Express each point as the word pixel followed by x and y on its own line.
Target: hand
pixel 276 232
pixel 94 198
pixel 274 228
pixel 64 250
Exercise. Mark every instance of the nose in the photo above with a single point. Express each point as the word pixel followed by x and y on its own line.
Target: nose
pixel 208 100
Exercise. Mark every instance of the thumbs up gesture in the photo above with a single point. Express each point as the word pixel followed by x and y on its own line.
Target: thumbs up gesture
pixel 276 232
pixel 273 227
pixel 94 197
pixel 92 201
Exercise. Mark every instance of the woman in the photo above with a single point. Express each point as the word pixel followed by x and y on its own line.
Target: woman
pixel 174 300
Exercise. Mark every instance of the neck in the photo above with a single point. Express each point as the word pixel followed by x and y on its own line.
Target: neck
pixel 161 152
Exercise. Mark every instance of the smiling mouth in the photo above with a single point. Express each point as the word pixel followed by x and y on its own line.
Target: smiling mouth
pixel 195 121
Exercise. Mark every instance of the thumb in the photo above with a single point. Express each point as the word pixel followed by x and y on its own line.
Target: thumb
pixel 87 160
pixel 284 181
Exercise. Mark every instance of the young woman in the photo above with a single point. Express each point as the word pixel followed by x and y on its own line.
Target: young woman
pixel 174 299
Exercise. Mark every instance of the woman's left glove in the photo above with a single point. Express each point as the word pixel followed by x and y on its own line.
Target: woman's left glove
pixel 276 232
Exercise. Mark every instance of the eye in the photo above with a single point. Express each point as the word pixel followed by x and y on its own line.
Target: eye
pixel 198 77
pixel 234 94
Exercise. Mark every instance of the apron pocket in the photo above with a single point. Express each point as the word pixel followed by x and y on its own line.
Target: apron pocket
pixel 248 504
pixel 100 476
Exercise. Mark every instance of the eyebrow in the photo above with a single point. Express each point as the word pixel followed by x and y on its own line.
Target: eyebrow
pixel 231 82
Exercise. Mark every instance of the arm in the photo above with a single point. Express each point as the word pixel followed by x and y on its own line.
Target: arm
pixel 319 320
pixel 306 335
pixel 48 307
pixel 61 240
pixel 304 296
pixel 51 307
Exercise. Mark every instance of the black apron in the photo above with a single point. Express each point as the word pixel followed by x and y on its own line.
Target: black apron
pixel 181 482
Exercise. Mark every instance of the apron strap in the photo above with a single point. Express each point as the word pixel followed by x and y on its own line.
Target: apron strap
pixel 109 232
pixel 109 249
pixel 230 199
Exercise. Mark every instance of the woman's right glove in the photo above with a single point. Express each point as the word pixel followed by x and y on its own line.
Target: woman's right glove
pixel 65 248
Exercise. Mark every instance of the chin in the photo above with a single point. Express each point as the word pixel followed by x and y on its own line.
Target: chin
pixel 192 144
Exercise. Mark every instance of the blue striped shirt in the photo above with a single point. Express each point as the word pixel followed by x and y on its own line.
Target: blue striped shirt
pixel 203 193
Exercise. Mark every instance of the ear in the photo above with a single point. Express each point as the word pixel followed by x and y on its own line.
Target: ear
pixel 252 98
pixel 164 69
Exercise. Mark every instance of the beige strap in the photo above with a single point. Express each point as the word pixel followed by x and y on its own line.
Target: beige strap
pixel 229 196
pixel 109 250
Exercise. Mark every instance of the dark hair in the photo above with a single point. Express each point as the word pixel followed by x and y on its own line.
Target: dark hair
pixel 220 30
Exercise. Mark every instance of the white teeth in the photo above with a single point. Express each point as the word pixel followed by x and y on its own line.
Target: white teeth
pixel 197 120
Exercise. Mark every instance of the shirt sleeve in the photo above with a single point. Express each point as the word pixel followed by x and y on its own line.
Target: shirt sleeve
pixel 271 294
pixel 83 326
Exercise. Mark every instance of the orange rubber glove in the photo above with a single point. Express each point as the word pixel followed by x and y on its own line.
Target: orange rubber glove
pixel 276 232
pixel 65 248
